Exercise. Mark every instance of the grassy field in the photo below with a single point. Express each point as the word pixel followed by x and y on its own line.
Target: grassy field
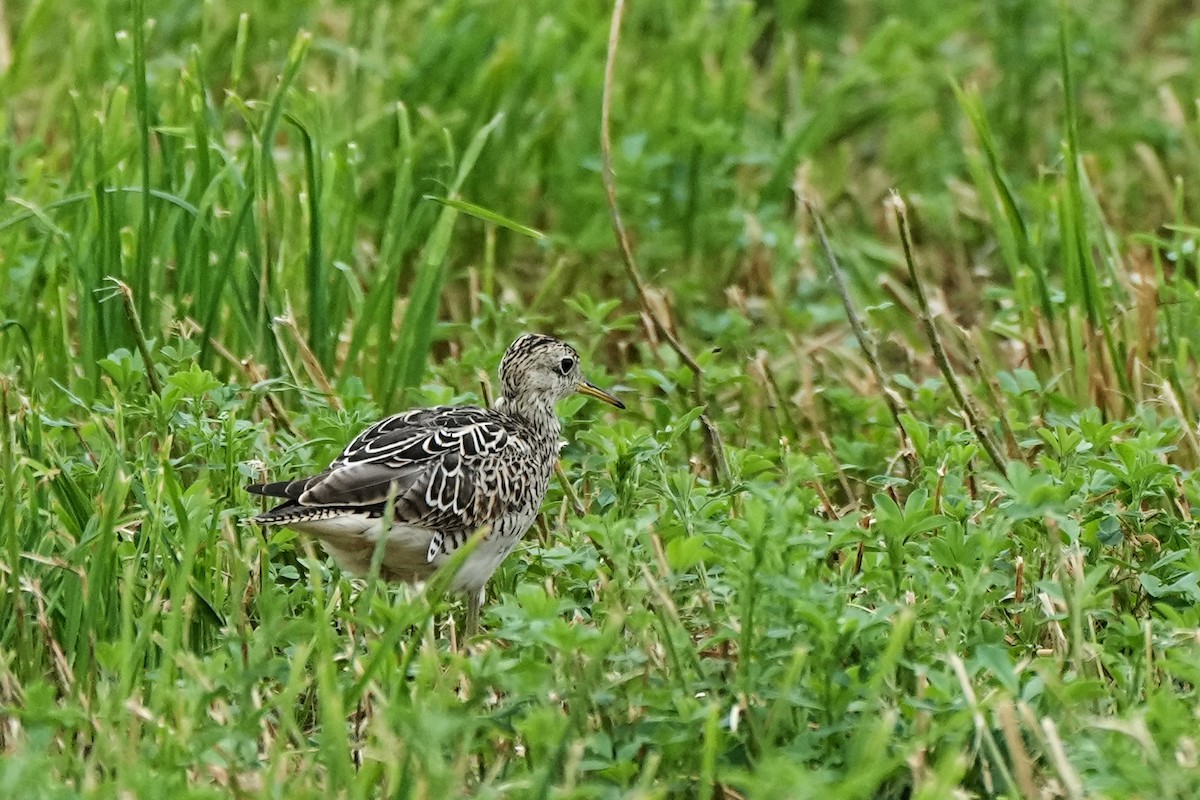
pixel 938 538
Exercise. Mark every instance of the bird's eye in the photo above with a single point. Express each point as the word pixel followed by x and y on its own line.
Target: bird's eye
pixel 566 365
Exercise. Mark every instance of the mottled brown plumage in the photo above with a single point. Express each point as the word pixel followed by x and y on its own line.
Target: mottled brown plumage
pixel 447 471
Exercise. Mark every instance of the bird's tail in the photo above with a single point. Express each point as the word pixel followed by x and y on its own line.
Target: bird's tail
pixel 288 511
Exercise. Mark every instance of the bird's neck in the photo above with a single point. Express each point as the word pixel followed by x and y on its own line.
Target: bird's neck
pixel 536 412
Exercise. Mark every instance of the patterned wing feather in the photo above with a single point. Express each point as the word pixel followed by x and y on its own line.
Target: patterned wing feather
pixel 434 463
pixel 412 435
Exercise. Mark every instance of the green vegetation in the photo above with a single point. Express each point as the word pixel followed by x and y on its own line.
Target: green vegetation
pixel 234 233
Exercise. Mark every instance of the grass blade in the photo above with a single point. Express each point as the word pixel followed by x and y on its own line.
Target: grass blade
pixel 416 331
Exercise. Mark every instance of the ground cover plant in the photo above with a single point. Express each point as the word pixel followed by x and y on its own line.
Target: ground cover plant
pixel 903 503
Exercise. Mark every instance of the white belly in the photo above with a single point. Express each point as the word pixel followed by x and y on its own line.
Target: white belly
pixel 351 539
pixel 497 543
pixel 480 565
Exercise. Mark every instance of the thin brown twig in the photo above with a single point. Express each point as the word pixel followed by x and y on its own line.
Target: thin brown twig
pixel 255 375
pixel 311 365
pixel 485 387
pixel 761 372
pixel 983 374
pixel 569 494
pixel 935 342
pixel 866 341
pixel 716 450
pixel 139 333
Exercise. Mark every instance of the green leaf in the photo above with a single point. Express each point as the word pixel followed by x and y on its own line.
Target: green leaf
pixel 685 552
pixel 487 215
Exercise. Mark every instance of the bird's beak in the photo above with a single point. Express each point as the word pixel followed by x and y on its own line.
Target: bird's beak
pixel 591 390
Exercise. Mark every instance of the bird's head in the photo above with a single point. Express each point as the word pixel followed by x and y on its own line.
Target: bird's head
pixel 537 366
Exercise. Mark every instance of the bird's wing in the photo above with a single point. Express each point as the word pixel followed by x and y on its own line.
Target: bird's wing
pixel 414 436
pixel 427 462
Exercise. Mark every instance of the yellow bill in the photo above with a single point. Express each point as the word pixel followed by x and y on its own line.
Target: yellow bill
pixel 591 390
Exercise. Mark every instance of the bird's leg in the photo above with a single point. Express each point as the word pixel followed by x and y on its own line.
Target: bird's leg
pixel 474 601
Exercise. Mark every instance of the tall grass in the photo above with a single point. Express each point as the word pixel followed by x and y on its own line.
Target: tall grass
pixel 234 234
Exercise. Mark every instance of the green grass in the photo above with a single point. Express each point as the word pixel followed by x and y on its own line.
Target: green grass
pixel 233 234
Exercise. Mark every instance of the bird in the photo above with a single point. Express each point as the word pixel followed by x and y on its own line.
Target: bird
pixel 444 472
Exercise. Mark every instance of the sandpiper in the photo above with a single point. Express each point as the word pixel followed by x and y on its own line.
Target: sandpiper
pixel 445 472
